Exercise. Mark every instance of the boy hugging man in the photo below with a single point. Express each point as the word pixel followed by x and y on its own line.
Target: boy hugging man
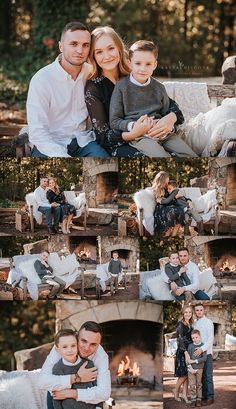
pixel 195 368
pixel 185 203
pixel 114 269
pixel 177 273
pixel 139 101
pixel 66 343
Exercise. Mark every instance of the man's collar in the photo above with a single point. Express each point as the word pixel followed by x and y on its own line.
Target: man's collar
pixel 63 74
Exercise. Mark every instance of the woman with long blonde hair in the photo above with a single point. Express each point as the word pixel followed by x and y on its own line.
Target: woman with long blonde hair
pixel 68 211
pixel 168 218
pixel 109 60
pixel 183 333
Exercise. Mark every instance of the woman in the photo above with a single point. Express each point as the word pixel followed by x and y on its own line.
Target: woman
pixel 67 211
pixel 168 218
pixel 110 62
pixel 183 332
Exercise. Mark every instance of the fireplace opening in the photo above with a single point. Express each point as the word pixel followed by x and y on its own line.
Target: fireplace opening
pixel 85 249
pixel 221 256
pixel 231 187
pixel 135 351
pixel 107 189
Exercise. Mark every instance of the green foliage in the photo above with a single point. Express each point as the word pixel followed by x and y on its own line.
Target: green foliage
pixel 22 176
pixel 153 249
pixel 24 325
pixel 11 246
pixel 171 315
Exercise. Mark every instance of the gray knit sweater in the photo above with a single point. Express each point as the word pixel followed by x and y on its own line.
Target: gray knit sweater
pixel 129 101
pixel 201 359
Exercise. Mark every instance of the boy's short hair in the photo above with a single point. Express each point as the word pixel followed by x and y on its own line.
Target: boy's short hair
pixel 143 45
pixel 196 331
pixel 115 252
pixel 173 183
pixel 65 333
pixel 74 26
pixel 173 252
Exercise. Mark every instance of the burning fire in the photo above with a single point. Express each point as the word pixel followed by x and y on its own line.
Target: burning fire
pixel 84 253
pixel 126 369
pixel 226 266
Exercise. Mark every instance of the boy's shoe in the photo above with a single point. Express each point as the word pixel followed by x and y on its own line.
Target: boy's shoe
pixel 193 404
pixel 199 403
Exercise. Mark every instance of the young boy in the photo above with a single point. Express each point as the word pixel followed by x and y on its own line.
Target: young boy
pixel 195 368
pixel 140 94
pixel 185 203
pixel 177 273
pixel 66 344
pixel 114 269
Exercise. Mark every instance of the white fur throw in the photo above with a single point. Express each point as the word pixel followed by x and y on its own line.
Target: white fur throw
pixel 102 273
pixel 207 132
pixel 78 201
pixel 158 289
pixel 19 390
pixel 192 97
pixel 207 279
pixel 144 199
pixel 31 201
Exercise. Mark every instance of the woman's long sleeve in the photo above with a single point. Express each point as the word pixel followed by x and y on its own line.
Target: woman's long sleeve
pixel 106 137
pixel 181 339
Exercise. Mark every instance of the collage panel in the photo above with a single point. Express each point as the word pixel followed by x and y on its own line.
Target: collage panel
pixel 199 354
pixel 132 340
pixel 68 196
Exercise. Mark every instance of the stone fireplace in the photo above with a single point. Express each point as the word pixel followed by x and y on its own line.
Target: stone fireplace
pixel 127 248
pixel 222 175
pixel 100 182
pixel 131 328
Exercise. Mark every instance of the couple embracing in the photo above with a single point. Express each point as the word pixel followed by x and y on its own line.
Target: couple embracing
pixel 131 117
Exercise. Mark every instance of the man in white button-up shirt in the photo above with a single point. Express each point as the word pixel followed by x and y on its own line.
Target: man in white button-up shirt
pixel 89 339
pixel 56 109
pixel 206 328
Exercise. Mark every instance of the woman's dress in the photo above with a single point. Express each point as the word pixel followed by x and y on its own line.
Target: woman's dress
pixel 98 92
pixel 183 332
pixel 166 215
pixel 66 208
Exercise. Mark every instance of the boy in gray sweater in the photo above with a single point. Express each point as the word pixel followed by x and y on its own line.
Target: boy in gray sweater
pixel 195 368
pixel 66 344
pixel 114 269
pixel 141 96
pixel 177 273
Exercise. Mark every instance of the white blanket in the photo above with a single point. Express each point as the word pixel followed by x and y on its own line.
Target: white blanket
pixel 19 390
pixel 31 201
pixel 78 201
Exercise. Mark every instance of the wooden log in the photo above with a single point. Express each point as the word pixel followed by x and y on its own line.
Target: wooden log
pixel 122 230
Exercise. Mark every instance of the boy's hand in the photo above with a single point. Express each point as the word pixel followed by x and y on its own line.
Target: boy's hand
pixel 162 127
pixel 142 126
pixel 87 374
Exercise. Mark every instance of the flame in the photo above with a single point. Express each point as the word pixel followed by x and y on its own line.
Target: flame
pixel 84 252
pixel 125 368
pixel 226 266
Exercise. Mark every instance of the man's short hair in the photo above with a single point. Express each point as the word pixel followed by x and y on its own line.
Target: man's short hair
pixel 199 304
pixel 43 177
pixel 173 183
pixel 195 331
pixel 74 26
pixel 91 326
pixel 143 45
pixel 183 249
pixel 65 333
pixel 45 251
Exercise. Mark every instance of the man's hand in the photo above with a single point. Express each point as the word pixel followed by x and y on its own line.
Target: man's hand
pixel 198 352
pixel 180 291
pixel 87 374
pixel 173 286
pixel 64 394
pixel 182 270
pixel 162 127
pixel 54 204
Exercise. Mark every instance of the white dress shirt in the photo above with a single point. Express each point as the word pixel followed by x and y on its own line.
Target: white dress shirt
pixel 56 110
pixel 193 275
pixel 41 197
pixel 206 328
pixel 96 394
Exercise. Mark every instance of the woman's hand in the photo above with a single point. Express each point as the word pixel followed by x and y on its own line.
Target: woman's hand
pixel 140 128
pixel 162 127
pixel 187 357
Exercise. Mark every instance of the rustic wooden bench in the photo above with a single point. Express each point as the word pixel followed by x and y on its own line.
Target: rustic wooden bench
pixel 22 148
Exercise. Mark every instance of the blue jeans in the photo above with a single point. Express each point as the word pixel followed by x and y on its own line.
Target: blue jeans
pixel 207 379
pixel 36 154
pixel 48 212
pixel 49 401
pixel 93 149
pixel 200 295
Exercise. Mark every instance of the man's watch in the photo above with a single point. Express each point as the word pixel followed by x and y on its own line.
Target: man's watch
pixel 77 378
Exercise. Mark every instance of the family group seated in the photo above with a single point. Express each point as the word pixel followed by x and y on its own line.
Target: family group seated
pixel 49 200
pixel 130 112
pixel 178 278
pixel 165 209
pixel 46 273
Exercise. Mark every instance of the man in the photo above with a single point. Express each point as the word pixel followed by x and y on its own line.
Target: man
pixel 193 275
pixel 56 109
pixel 206 328
pixel 89 339
pixel 51 211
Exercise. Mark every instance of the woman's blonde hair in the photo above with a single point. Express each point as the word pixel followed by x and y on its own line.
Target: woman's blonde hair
pixel 183 311
pixel 57 190
pixel 123 65
pixel 158 184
